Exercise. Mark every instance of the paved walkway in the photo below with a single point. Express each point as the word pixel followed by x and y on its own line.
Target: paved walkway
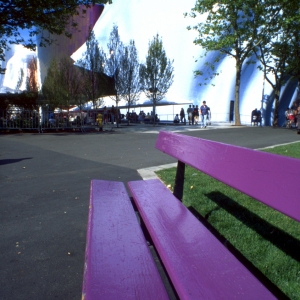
pixel 149 128
pixel 44 194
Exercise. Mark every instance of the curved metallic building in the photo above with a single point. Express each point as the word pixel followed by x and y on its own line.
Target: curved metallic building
pixel 64 46
pixel 18 57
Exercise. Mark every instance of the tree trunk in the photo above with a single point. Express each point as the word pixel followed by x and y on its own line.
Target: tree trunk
pixel 117 111
pixel 276 104
pixel 128 109
pixel 154 108
pixel 237 94
pixel 153 115
pixel 128 115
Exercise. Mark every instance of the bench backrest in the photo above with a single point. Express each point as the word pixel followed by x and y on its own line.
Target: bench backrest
pixel 269 178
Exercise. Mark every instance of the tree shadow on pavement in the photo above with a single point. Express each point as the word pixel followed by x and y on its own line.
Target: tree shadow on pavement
pixel 12 161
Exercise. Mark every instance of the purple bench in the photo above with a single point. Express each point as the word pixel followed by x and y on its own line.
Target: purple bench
pixel 198 264
pixel 118 263
pixel 267 177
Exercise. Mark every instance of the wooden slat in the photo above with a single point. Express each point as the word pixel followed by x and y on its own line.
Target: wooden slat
pixel 269 178
pixel 118 262
pixel 199 266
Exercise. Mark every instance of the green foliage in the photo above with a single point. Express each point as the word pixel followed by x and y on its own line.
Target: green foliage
pixel 35 16
pixel 267 238
pixel 129 73
pixel 278 49
pixel 71 82
pixel 270 29
pixel 231 28
pixel 62 85
pixel 92 67
pixel 156 75
pixel 113 62
pixel 51 88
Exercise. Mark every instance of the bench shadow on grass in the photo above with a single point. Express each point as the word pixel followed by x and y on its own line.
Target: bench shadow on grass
pixel 282 240
pixel 278 237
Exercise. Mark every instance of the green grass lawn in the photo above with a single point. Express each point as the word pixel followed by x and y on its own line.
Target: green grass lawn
pixel 269 239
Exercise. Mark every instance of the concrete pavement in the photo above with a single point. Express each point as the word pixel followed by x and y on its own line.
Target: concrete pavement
pixel 44 195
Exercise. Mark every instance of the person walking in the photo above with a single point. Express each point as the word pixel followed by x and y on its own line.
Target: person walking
pixel 182 116
pixel 193 114
pixel 190 113
pixel 196 113
pixel 204 109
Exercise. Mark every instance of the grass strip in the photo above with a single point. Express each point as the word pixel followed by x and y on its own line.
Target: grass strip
pixel 267 238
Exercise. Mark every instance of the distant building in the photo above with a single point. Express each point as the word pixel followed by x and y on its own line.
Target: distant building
pixel 65 46
pixel 18 57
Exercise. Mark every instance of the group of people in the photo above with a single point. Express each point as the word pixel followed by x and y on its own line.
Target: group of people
pixel 194 112
pixel 110 115
pixel 147 118
pixel 292 116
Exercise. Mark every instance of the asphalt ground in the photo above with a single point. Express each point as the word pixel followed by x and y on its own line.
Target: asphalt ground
pixel 44 196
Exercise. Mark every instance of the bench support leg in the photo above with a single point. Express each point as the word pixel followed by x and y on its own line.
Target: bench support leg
pixel 179 180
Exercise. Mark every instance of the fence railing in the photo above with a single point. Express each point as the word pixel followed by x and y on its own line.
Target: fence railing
pixel 19 119
pixel 13 119
pixel 44 120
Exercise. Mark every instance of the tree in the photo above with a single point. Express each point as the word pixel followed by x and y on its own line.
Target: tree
pixel 278 50
pixel 35 16
pixel 292 34
pixel 156 74
pixel 129 73
pixel 112 66
pixel 71 83
pixel 63 84
pixel 273 57
pixel 92 67
pixel 232 28
pixel 51 88
pixel 293 60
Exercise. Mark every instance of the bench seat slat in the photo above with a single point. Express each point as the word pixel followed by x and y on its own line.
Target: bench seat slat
pixel 269 178
pixel 199 266
pixel 118 263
